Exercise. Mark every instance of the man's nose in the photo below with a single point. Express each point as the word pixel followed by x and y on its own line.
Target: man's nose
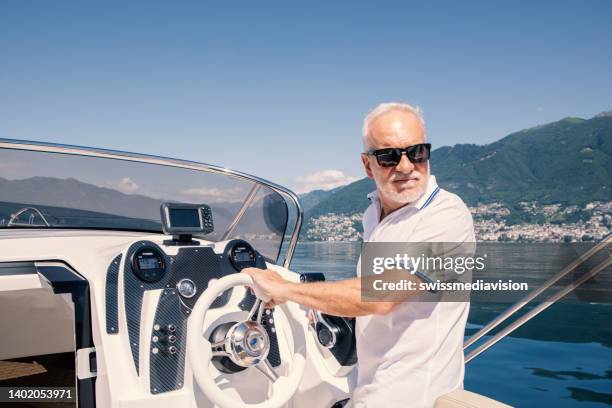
pixel 405 165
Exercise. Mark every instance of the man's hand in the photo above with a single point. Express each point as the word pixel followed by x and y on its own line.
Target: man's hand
pixel 338 298
pixel 270 283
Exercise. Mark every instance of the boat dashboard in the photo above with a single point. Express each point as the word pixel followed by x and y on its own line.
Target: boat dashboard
pixel 144 288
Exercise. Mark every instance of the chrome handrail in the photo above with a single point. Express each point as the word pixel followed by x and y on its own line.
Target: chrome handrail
pixel 542 306
pixel 532 295
pixel 537 310
pixel 164 161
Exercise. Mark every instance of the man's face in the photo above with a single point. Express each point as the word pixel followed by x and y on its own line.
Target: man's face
pixel 406 182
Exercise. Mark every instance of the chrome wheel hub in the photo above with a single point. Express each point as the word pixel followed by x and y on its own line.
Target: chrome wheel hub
pixel 247 343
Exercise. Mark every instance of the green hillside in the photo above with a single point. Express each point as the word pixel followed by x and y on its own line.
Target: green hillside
pixel 568 162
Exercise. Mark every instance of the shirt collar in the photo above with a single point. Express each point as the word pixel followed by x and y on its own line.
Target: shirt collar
pixel 430 192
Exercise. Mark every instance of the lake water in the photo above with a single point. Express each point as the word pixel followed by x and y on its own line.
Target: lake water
pixel 561 358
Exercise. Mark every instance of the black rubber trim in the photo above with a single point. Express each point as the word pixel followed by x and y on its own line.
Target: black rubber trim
pixel 341 403
pixel 64 279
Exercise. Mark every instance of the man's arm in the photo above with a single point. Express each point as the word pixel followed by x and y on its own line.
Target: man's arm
pixel 339 298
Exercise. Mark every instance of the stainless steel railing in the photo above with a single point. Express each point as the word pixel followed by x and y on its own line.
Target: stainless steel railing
pixel 602 245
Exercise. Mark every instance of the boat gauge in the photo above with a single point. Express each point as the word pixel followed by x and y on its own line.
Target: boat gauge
pixel 242 255
pixel 148 264
pixel 186 288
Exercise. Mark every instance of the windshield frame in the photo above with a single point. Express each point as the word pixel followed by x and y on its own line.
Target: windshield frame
pixel 171 162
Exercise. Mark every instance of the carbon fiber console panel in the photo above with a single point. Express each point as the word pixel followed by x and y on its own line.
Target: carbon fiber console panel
pixel 167 357
pixel 134 289
pixel 168 337
pixel 199 264
pixel 112 293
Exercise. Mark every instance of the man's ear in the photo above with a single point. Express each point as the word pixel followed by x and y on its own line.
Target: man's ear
pixel 365 159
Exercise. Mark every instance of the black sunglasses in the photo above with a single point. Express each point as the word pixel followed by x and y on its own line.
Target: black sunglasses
pixel 391 156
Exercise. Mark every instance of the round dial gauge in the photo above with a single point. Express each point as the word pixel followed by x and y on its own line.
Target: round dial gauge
pixel 242 255
pixel 186 288
pixel 148 264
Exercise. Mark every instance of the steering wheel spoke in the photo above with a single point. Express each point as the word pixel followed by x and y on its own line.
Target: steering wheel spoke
pixel 256 312
pixel 266 369
pixel 218 349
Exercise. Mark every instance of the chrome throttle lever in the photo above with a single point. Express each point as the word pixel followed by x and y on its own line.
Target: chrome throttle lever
pixel 327 334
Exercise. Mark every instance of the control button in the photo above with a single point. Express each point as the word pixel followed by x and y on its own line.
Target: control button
pixel 155 339
pixel 156 327
pixel 155 350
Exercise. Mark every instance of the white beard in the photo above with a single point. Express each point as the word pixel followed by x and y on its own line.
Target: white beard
pixel 406 197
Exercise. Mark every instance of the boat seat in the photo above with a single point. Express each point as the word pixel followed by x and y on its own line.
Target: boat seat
pixel 467 399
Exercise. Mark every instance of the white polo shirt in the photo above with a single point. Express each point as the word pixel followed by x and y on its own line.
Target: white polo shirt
pixel 409 357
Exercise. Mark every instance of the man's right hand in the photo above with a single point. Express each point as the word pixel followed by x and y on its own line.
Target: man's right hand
pixel 270 284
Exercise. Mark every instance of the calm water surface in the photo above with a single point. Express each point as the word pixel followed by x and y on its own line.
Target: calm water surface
pixel 561 358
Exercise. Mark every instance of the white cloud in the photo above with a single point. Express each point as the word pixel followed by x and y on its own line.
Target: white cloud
pixel 213 194
pixel 8 165
pixel 323 180
pixel 127 186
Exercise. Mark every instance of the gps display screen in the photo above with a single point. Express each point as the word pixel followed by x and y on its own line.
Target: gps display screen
pixel 184 218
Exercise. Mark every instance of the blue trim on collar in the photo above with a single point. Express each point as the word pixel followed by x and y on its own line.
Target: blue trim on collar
pixel 431 197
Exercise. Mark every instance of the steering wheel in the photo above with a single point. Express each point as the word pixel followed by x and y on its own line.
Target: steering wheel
pixel 246 344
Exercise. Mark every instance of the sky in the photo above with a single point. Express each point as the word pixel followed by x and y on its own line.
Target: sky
pixel 279 89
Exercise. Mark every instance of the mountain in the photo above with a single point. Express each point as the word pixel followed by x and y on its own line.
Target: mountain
pixel 75 194
pixel 70 218
pixel 603 114
pixel 312 198
pixel 568 162
pixel 347 200
pixel 70 202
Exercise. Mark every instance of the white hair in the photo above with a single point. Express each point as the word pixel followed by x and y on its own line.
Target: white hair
pixel 383 108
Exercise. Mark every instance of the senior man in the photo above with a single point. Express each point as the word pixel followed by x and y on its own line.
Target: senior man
pixel 409 353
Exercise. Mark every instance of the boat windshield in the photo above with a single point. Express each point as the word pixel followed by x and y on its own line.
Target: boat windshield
pixel 53 189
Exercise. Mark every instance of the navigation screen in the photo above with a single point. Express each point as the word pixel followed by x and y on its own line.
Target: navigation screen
pixel 184 217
